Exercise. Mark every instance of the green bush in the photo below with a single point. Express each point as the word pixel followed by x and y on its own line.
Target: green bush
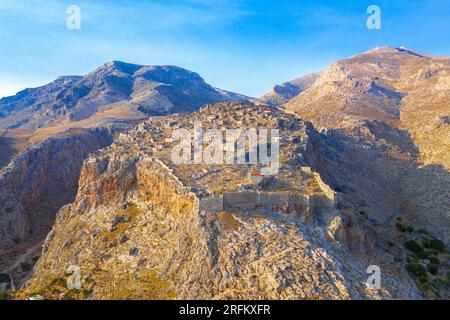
pixel 434 244
pixel 413 246
pixel 3 295
pixel 4 277
pixel 439 283
pixel 434 260
pixel 417 270
pixel 422 255
pixel 423 231
pixel 433 252
pixel 432 268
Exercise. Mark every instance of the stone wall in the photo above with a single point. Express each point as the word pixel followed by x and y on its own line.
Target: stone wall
pixel 214 204
pixel 251 200
pixel 329 193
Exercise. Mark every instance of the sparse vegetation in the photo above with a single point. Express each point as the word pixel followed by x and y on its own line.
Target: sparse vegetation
pixel 423 231
pixel 403 228
pixel 420 274
pixel 439 283
pixel 422 254
pixel 413 246
pixel 433 269
pixel 3 295
pixel 25 266
pixel 4 277
pixel 434 260
pixel 434 244
pixel 426 273
pixel 417 270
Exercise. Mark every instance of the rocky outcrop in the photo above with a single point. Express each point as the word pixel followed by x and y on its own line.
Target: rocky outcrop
pixel 281 94
pixel 196 255
pixel 138 222
pixel 42 179
pixel 383 112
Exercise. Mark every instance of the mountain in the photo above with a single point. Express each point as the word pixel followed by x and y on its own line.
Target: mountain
pixel 138 90
pixel 363 180
pixel 394 96
pixel 46 133
pixel 166 231
pixel 400 86
pixel 115 92
pixel 281 94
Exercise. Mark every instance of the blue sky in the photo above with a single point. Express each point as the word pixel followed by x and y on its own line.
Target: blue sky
pixel 241 45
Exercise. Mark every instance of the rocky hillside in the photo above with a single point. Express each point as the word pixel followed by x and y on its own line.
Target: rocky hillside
pixel 144 228
pixel 47 132
pixel 281 94
pixel 363 179
pixel 115 92
pixel 406 89
pixel 399 97
pixel 42 179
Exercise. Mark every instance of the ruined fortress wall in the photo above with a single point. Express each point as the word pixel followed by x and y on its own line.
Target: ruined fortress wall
pixel 214 204
pixel 321 201
pixel 330 193
pixel 157 183
pixel 250 200
pixel 246 200
pixel 279 199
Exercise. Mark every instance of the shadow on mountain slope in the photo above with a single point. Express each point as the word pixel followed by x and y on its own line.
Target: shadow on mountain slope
pixel 375 168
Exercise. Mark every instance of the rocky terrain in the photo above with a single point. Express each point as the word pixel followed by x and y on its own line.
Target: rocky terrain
pixel 116 91
pixel 42 179
pixel 363 180
pixel 281 94
pixel 397 97
pixel 46 133
pixel 138 230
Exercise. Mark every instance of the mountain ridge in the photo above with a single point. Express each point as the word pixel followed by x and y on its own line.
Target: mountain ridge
pixel 148 90
pixel 363 174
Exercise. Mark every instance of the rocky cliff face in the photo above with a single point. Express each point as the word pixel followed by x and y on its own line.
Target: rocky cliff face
pixel 281 94
pixel 136 229
pixel 42 179
pixel 393 101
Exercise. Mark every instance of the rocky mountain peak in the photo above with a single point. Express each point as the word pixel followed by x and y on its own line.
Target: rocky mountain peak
pixel 138 90
pixel 124 67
